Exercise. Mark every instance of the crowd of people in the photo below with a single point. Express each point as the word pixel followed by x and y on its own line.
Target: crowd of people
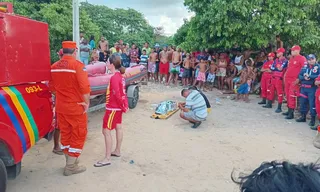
pixel 286 74
pixel 292 78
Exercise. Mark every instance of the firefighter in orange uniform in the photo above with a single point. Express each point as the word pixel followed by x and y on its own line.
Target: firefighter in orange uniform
pixel 70 84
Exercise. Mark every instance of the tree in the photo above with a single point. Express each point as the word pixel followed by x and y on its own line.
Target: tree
pixel 115 24
pixel 251 23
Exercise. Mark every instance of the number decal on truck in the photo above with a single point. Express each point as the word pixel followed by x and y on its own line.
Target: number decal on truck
pixel 33 89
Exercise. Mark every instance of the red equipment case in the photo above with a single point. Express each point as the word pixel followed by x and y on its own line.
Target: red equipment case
pixel 24 49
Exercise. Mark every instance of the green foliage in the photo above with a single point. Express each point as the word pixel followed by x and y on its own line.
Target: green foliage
pixel 251 23
pixel 115 24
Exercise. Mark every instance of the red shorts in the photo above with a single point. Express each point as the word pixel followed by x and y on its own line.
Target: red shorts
pixel 111 119
pixel 163 68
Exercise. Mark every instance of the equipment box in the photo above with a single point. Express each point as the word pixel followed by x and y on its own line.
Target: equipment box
pixel 24 50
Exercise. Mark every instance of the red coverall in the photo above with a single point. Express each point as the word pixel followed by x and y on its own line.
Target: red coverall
pixel 265 79
pixel 276 83
pixel 292 91
pixel 70 82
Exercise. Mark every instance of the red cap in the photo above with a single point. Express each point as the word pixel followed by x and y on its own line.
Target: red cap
pixel 296 48
pixel 281 50
pixel 271 55
pixel 69 45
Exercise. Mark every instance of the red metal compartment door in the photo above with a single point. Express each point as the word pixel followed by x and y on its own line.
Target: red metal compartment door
pixel 27 50
pixel 3 65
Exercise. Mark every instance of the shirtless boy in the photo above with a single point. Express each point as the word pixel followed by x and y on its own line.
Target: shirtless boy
pixel 152 63
pixel 212 74
pixel 174 72
pixel 164 65
pixel 201 78
pixel 187 69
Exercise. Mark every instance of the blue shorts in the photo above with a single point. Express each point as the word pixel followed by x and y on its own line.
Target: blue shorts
pixel 84 60
pixel 236 79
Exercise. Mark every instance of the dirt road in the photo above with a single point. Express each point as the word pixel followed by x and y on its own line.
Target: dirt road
pixel 168 155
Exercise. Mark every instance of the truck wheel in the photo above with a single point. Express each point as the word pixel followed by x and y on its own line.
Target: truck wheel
pixel 133 101
pixel 3 177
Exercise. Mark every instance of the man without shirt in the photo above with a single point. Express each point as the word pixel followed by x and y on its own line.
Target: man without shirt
pixel 164 65
pixel 175 70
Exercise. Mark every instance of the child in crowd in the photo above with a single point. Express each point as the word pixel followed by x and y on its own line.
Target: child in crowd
pixel 231 74
pixel 152 64
pixel 212 75
pixel 186 72
pixel 144 58
pixel 222 71
pixel 244 90
pixel 201 76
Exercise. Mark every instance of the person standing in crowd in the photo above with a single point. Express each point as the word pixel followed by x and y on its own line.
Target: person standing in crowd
pixel 85 52
pixel 103 44
pixel 291 79
pixel 175 70
pixel 152 64
pixel 279 43
pixel 316 141
pixel 276 84
pixel 266 78
pixel 115 48
pixel 239 60
pixel 144 58
pixel 116 105
pixel 92 43
pixel 307 77
pixel 104 56
pixel 69 83
pixel 134 55
pixel 157 47
pixel 260 59
pixel 164 65
pixel 146 48
pixel 81 37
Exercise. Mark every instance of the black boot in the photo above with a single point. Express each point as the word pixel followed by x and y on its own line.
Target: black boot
pixel 302 118
pixel 279 110
pixel 286 113
pixel 312 122
pixel 263 102
pixel 268 105
pixel 290 114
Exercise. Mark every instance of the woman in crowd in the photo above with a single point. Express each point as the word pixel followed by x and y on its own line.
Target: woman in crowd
pixel 231 74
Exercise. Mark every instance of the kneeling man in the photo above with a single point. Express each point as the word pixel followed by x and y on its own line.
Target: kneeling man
pixel 194 109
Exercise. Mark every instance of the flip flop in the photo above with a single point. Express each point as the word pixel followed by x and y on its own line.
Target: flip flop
pixel 115 155
pixel 99 164
pixel 58 152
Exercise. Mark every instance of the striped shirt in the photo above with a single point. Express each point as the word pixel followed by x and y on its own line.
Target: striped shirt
pixel 196 103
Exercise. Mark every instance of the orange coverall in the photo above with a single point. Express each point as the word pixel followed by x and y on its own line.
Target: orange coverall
pixel 69 82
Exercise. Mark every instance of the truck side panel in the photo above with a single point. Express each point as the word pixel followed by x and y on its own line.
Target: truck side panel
pixel 27 111
pixel 24 45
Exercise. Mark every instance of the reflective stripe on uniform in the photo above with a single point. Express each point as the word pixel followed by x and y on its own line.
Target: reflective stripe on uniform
pixel 65 147
pixel 74 150
pixel 63 70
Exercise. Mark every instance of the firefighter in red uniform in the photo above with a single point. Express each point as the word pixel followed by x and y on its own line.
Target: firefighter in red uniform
pixel 70 84
pixel 278 67
pixel 266 77
pixel 316 141
pixel 291 80
pixel 116 105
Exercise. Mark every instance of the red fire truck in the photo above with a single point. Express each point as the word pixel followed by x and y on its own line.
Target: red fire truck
pixel 25 103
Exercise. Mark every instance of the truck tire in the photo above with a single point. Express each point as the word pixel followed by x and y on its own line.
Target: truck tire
pixel 3 177
pixel 133 101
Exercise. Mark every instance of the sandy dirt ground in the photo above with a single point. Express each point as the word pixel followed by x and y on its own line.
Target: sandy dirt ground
pixel 168 155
